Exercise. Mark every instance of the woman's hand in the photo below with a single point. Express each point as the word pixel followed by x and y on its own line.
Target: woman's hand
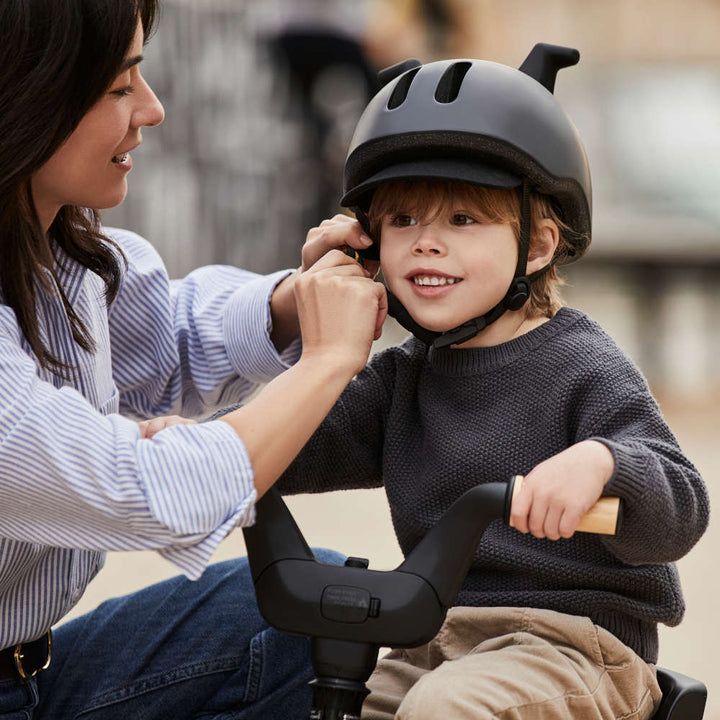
pixel 341 310
pixel 334 234
pixel 557 493
pixel 148 428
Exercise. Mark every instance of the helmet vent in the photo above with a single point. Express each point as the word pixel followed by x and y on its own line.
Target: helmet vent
pixel 449 86
pixel 401 89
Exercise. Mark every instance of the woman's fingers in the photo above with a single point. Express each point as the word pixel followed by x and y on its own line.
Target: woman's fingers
pixel 341 310
pixel 149 428
pixel 337 259
pixel 336 233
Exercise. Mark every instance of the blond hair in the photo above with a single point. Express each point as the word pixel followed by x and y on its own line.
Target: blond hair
pixel 427 200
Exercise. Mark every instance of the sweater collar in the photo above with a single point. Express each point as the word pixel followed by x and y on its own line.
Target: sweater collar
pixel 471 361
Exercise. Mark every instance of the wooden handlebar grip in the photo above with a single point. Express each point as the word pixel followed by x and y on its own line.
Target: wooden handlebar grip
pixel 602 518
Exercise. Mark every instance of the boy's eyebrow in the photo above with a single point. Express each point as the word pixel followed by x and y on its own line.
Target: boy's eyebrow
pixel 130 62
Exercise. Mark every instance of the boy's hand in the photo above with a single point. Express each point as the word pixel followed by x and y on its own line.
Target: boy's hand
pixel 330 235
pixel 560 490
pixel 148 428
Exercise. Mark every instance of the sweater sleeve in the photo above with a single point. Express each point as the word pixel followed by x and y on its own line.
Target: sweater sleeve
pixel 665 504
pixel 346 450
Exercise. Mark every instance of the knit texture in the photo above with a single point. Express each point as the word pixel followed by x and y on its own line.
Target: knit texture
pixel 430 424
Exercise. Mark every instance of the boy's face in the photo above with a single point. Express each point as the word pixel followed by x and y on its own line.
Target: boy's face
pixel 448 269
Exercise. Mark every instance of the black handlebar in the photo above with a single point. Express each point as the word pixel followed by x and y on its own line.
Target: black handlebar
pixel 349 611
pixel 298 594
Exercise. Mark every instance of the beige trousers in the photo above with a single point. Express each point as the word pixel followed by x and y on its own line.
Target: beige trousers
pixel 514 664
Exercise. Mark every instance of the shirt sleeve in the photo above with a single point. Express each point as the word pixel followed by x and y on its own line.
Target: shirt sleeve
pixel 73 477
pixel 188 346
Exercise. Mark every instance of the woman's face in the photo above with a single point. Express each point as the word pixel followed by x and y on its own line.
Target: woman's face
pixel 90 168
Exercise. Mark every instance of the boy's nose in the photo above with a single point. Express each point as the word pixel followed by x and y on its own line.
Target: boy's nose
pixel 428 242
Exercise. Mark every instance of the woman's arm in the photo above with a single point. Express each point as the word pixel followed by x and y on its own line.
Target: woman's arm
pixel 73 477
pixel 341 312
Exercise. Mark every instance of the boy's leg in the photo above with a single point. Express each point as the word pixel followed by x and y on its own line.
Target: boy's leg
pixel 179 649
pixel 514 663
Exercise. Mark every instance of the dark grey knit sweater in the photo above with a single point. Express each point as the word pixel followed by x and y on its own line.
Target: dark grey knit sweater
pixel 431 424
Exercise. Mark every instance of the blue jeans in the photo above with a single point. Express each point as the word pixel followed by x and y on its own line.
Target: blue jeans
pixel 176 650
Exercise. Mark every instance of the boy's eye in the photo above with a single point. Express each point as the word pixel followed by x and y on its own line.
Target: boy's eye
pixel 462 219
pixel 401 220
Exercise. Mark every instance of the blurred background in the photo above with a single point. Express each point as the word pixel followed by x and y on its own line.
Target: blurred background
pixel 261 98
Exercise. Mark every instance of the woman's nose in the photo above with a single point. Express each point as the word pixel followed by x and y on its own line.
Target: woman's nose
pixel 150 111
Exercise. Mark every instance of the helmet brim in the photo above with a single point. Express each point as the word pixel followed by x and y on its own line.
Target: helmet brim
pixel 469 171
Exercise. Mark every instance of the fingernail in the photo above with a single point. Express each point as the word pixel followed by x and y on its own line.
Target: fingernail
pixel 365 240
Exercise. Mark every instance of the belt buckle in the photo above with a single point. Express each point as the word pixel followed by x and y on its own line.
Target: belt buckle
pixel 18 659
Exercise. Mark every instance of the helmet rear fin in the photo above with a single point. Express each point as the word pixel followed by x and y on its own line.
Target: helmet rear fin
pixel 388 74
pixel 544 62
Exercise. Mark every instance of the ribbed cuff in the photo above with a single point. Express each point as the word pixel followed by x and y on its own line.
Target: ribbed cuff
pixel 628 478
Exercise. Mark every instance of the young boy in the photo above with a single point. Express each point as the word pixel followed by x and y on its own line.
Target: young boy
pixel 474 184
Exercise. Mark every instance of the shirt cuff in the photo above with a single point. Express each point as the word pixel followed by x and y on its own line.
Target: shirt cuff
pixel 199 512
pixel 247 325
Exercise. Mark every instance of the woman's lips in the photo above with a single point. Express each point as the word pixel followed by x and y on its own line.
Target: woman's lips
pixel 123 161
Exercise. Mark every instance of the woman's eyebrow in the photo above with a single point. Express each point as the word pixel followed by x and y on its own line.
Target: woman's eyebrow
pixel 130 62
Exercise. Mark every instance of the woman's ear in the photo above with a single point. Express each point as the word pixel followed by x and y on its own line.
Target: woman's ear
pixel 543 245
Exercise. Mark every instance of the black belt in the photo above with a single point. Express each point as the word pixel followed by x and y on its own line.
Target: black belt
pixel 26 660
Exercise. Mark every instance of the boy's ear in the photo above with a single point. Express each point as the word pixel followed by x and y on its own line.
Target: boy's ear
pixel 543 245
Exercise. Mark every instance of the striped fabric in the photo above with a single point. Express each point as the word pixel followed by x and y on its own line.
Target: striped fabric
pixel 76 479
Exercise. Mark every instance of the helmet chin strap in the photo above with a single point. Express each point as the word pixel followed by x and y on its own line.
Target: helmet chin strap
pixel 515 298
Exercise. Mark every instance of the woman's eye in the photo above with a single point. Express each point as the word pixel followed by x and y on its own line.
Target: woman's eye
pixel 123 91
pixel 462 219
pixel 400 220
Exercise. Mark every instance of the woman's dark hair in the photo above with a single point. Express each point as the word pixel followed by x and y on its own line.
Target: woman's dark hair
pixel 56 61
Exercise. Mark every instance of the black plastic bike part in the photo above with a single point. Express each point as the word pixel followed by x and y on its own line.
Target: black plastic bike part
pixel 333 698
pixel 350 611
pixel 683 697
pixel 297 594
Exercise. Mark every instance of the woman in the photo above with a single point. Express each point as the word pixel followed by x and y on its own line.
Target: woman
pixel 91 327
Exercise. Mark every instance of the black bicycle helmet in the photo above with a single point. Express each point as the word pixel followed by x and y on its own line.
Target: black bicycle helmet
pixel 478 122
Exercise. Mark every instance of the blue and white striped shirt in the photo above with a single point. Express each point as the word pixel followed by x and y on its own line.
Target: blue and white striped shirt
pixel 76 479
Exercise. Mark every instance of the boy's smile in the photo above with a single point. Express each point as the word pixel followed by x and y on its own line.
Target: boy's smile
pixel 430 283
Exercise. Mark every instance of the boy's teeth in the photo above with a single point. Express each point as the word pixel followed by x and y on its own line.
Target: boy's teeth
pixel 434 280
pixel 120 158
